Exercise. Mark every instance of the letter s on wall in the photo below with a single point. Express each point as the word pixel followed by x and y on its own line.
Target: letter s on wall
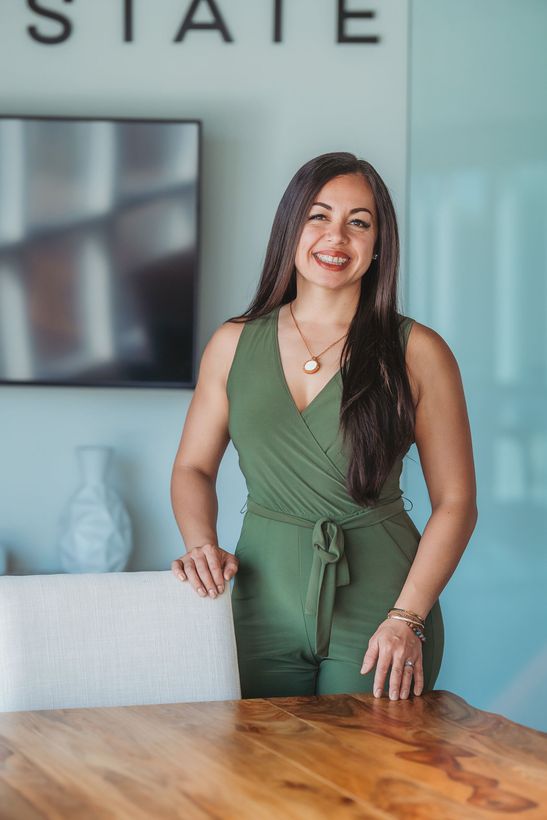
pixel 49 40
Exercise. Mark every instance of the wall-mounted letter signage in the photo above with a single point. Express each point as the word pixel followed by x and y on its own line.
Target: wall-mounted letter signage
pixel 189 24
pixel 217 23
pixel 344 15
pixel 49 39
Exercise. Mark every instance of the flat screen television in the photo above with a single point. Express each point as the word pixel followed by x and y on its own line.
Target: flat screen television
pixel 99 247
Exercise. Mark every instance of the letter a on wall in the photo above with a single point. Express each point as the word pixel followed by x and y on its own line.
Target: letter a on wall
pixel 217 24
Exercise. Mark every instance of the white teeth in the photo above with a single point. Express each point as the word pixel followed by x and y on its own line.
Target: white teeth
pixel 332 260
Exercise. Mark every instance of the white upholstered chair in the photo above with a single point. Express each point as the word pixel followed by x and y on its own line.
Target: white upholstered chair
pixel 113 639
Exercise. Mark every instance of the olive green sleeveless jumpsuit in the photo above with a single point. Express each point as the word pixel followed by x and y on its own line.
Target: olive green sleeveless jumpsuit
pixel 317 572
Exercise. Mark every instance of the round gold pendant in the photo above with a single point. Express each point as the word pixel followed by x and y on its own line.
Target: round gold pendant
pixel 311 366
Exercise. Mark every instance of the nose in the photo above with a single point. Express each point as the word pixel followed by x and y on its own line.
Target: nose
pixel 336 233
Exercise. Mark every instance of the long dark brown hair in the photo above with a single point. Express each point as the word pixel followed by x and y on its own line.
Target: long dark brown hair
pixel 377 415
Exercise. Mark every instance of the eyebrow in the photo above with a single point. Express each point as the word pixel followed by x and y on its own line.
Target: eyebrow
pixel 353 210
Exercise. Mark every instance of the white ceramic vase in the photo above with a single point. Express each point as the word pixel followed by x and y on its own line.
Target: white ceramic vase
pixel 95 529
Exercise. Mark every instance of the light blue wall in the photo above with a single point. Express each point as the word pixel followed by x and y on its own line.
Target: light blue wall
pixel 477 267
pixel 266 109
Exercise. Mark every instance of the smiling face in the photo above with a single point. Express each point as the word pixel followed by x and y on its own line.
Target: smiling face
pixel 337 241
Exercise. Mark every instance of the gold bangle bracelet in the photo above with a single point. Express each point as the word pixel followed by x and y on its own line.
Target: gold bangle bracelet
pixel 407 612
pixel 407 620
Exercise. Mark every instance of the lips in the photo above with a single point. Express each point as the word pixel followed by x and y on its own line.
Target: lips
pixel 333 266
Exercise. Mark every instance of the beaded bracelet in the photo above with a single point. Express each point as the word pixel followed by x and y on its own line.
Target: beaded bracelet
pixel 417 631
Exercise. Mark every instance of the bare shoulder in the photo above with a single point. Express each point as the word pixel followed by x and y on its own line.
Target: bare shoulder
pixel 219 351
pixel 429 358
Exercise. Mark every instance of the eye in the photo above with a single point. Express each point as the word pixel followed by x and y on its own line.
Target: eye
pixel 361 223
pixel 314 216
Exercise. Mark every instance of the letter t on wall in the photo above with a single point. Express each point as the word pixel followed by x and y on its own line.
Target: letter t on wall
pixel 278 13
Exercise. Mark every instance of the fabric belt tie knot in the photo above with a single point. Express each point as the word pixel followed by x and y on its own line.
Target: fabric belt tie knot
pixel 330 567
pixel 329 570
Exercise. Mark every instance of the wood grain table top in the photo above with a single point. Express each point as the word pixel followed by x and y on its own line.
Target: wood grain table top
pixel 335 756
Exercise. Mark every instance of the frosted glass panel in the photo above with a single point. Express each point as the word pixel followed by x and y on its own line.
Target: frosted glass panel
pixel 477 273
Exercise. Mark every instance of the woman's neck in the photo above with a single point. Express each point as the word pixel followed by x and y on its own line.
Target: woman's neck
pixel 319 305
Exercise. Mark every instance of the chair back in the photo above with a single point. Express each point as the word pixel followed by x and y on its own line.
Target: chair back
pixel 113 639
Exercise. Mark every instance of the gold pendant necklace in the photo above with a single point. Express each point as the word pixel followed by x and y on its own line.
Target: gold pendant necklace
pixel 312 365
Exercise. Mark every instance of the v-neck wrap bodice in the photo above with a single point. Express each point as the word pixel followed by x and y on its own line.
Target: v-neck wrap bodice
pixel 295 462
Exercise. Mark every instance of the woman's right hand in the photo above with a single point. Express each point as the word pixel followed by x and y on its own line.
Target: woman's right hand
pixel 206 567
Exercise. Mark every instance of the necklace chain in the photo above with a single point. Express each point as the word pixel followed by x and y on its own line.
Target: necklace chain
pixel 312 365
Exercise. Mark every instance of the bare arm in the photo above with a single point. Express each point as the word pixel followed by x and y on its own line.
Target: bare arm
pixel 443 439
pixel 203 442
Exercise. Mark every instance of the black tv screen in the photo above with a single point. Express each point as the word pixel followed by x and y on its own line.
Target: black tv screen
pixel 99 246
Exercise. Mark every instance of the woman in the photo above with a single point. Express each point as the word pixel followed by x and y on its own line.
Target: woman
pixel 323 386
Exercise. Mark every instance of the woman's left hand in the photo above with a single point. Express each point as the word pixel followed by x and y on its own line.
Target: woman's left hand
pixel 391 645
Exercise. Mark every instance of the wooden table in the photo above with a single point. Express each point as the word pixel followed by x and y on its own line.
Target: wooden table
pixel 335 756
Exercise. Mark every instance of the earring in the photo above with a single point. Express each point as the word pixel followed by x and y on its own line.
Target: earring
pixel 375 256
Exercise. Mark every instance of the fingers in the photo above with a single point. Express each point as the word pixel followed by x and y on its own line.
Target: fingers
pixel 203 567
pixel 194 578
pixel 391 650
pixel 199 574
pixel 400 679
pixel 210 569
pixel 406 680
pixel 384 661
pixel 398 670
pixel 231 566
pixel 419 676
pixel 370 656
pixel 177 568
